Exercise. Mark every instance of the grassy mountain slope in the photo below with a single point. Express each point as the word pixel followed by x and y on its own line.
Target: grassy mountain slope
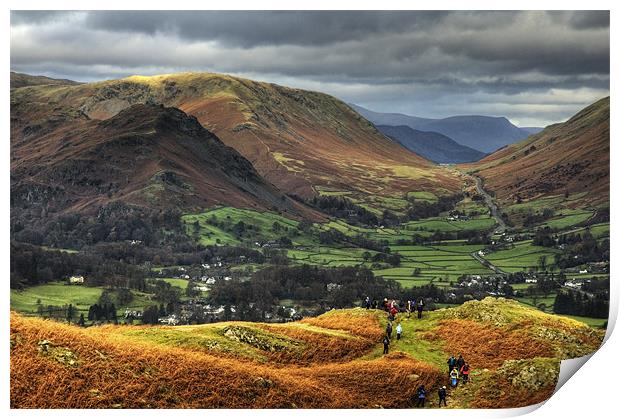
pixel 431 145
pixel 296 139
pixel 333 360
pixel 146 155
pixel 569 157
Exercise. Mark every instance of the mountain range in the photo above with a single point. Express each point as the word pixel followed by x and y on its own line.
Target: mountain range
pixel 482 133
pixel 206 139
pixel 431 145
pixel 300 141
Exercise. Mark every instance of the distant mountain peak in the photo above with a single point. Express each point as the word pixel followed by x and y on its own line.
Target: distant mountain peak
pixel 23 80
pixel 431 145
pixel 478 132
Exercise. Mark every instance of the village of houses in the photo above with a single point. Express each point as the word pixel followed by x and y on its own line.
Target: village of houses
pixel 198 306
pixel 201 278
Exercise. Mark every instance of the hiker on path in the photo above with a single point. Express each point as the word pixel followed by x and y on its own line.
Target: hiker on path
pixel 420 308
pixel 367 302
pixel 451 364
pixel 442 396
pixel 460 362
pixel 393 312
pixel 399 331
pixel 409 309
pixel 375 304
pixel 386 345
pixel 465 373
pixel 386 305
pixel 454 377
pixel 421 396
pixel 388 330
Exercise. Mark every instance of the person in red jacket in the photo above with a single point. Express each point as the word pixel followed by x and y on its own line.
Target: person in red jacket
pixel 394 311
pixel 465 373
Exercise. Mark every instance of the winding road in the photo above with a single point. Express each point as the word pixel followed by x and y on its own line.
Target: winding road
pixel 488 264
pixel 501 224
pixel 488 199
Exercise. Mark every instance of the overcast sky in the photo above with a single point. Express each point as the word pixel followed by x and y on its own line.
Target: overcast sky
pixel 535 68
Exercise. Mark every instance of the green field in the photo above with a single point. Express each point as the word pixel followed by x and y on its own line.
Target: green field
pixel 328 256
pixel 521 286
pixel 437 262
pixel 482 223
pixel 263 222
pixel 599 231
pixel 446 262
pixel 467 205
pixel 548 302
pixel 567 218
pixel 56 294
pixel 422 195
pixel 59 294
pixel 521 257
pixel 176 282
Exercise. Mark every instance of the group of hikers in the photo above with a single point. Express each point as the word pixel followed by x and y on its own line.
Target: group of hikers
pixel 393 308
pixel 388 336
pixel 457 369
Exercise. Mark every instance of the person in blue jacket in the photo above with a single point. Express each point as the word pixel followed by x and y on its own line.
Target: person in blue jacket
pixel 421 396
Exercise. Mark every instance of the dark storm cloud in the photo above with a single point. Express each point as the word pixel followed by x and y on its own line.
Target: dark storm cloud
pixel 252 28
pixel 590 19
pixel 37 16
pixel 429 63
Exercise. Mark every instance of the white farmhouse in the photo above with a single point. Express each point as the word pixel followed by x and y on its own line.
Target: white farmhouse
pixel 76 279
